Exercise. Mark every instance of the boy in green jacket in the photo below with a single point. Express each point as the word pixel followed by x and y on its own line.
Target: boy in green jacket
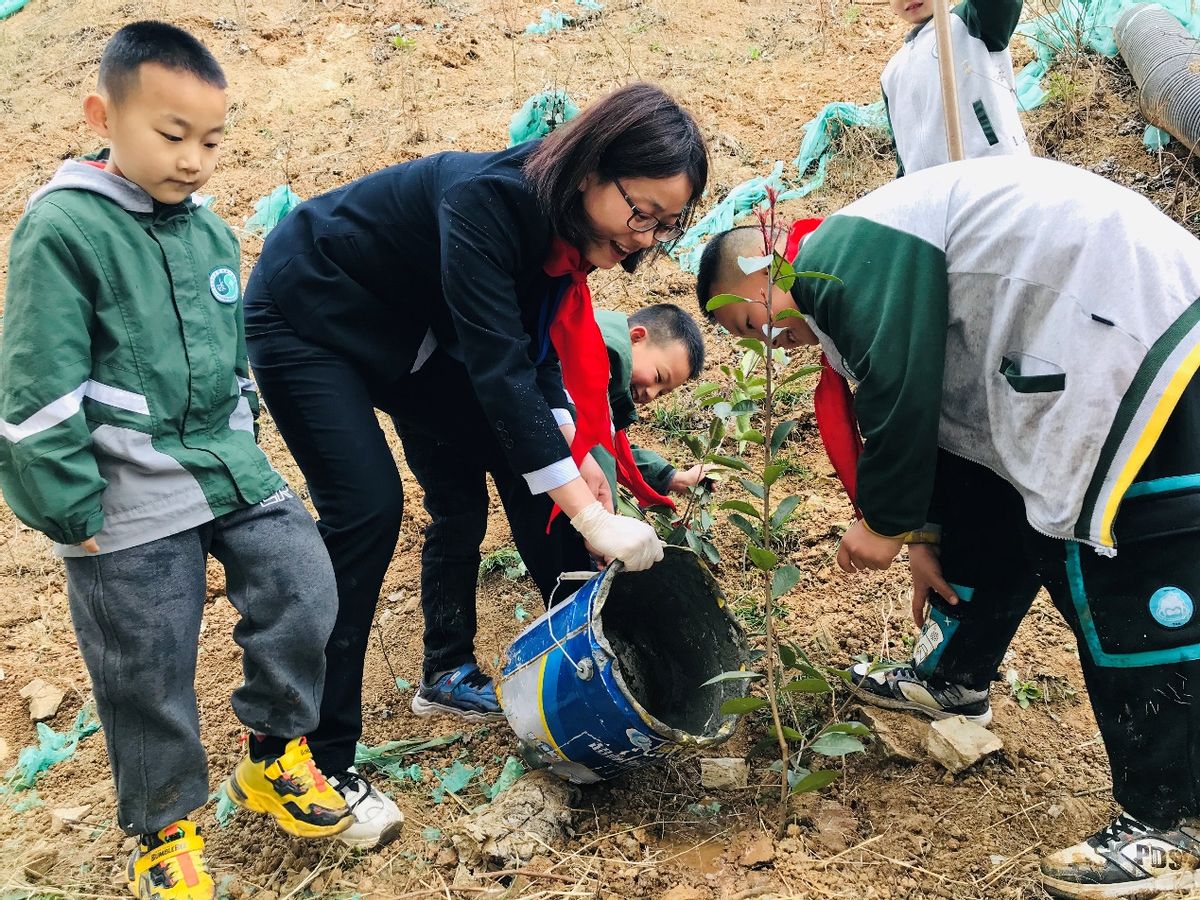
pixel 127 424
pixel 1034 400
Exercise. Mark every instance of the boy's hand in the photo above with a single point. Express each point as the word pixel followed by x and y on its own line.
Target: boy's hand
pixel 926 571
pixel 89 545
pixel 682 481
pixel 593 477
pixel 864 549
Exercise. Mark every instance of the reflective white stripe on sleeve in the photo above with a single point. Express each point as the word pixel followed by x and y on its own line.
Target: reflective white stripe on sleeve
pixel 554 475
pixel 118 397
pixel 562 417
pixel 58 411
pixel 53 413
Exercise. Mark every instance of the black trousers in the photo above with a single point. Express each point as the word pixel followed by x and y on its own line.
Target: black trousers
pixel 325 408
pixel 1133 615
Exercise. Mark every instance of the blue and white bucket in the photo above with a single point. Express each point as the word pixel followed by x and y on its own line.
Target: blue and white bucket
pixel 610 679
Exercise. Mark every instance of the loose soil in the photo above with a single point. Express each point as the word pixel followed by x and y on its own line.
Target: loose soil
pixel 320 95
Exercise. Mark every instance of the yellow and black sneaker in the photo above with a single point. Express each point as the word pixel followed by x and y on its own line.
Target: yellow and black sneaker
pixel 170 865
pixel 292 789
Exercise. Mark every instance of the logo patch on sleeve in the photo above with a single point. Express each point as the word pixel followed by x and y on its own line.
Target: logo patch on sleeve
pixel 223 283
pixel 1171 607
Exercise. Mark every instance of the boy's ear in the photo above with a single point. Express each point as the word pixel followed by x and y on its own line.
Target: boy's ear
pixel 95 113
pixel 637 334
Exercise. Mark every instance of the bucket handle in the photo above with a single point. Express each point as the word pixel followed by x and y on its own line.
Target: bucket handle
pixel 580 669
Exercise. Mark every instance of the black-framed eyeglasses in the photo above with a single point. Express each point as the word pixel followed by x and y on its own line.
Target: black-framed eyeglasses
pixel 642 221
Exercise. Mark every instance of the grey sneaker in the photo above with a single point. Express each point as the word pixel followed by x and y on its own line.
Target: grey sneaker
pixel 1126 859
pixel 900 687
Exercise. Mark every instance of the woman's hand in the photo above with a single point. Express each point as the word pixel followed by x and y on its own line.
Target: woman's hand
pixel 633 542
pixel 926 571
pixel 864 549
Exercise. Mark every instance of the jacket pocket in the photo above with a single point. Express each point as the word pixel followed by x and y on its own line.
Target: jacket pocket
pixel 1027 374
pixel 1139 607
pixel 985 123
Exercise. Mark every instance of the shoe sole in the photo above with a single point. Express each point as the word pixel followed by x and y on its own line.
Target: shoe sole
pixel 256 802
pixel 984 719
pixel 423 707
pixel 389 834
pixel 1150 887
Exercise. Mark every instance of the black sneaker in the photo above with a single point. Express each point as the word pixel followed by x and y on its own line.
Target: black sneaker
pixel 1126 859
pixel 464 692
pixel 900 687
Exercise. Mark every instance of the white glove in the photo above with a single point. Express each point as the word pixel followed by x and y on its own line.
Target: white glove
pixel 634 543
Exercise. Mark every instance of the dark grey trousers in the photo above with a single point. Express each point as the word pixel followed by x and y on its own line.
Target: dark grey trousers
pixel 137 617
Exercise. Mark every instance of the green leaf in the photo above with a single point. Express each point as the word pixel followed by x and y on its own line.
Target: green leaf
pixel 732 676
pixel 723 300
pixel 752 344
pixel 762 559
pixel 710 552
pixel 788 314
pixel 807 686
pixel 744 406
pixel 716 433
pixel 729 462
pixel 784 511
pixel 771 474
pixel 821 275
pixel 814 781
pixel 741 506
pixel 783 273
pixel 696 445
pixel 791 734
pixel 784 580
pixel 706 387
pixel 779 435
pixel 739 706
pixel 753 435
pixel 752 487
pixel 802 372
pixel 855 728
pixel 743 524
pixel 722 409
pixel 787 656
pixel 836 743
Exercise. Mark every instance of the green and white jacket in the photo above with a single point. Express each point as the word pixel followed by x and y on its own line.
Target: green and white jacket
pixel 1018 312
pixel 126 409
pixel 987 98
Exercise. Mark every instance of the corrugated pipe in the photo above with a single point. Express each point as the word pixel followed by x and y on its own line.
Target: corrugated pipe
pixel 1165 62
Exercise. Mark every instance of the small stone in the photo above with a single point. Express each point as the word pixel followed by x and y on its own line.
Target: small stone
pixel 684 892
pixel 446 857
pixel 394 596
pixel 996 859
pixel 898 737
pixel 69 815
pixel 724 774
pixel 44 699
pixel 1054 811
pixel 40 862
pixel 958 744
pixel 760 852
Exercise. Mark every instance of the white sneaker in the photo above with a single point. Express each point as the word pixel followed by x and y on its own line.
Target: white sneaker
pixel 377 820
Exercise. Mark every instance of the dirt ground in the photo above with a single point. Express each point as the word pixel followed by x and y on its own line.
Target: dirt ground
pixel 320 95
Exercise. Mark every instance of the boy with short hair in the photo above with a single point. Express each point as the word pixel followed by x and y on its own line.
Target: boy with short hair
pixel 912 94
pixel 650 353
pixel 1036 402
pixel 127 424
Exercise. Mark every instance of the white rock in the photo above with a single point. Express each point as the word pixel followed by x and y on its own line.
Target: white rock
pixel 724 774
pixel 69 815
pixel 957 744
pixel 44 699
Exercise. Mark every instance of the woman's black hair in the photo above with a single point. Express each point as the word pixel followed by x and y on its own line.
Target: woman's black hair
pixel 637 131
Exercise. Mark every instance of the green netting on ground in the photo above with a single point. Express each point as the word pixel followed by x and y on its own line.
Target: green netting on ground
pixel 557 20
pixel 810 163
pixel 539 115
pixel 1084 24
pixel 270 210
pixel 10 7
pixel 52 747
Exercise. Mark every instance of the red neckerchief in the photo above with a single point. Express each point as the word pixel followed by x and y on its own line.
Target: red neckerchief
pixel 833 403
pixel 584 358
